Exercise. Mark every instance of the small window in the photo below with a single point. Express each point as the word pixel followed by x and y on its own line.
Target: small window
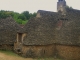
pixel 18 50
pixel 44 51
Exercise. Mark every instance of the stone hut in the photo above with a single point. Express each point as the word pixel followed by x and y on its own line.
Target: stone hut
pixel 38 40
pixel 51 34
pixel 8 32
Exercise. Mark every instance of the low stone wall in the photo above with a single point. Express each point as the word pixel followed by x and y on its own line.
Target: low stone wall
pixel 68 52
pixel 65 52
pixel 38 51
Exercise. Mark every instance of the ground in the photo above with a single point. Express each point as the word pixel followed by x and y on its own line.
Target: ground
pixel 8 55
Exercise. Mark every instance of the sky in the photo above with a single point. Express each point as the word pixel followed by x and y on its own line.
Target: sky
pixel 35 5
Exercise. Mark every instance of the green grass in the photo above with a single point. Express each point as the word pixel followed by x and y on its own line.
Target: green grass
pixel 7 52
pixel 24 22
pixel 11 53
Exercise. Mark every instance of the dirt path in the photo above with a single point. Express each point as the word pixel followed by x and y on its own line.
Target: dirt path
pixel 4 56
pixel 7 57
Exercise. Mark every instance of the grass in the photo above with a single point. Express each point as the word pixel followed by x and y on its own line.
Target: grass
pixel 8 52
pixel 15 56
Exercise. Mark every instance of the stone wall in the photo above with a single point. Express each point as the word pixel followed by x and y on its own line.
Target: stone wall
pixel 65 52
pixel 68 52
pixel 38 51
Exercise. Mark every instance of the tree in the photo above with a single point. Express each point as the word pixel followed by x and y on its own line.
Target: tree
pixel 69 7
pixel 21 16
pixel 26 14
pixel 34 14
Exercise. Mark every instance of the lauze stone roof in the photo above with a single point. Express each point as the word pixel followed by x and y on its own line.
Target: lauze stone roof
pixel 50 28
pixel 8 30
pixel 58 29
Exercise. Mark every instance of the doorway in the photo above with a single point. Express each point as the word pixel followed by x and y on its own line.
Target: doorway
pixel 19 37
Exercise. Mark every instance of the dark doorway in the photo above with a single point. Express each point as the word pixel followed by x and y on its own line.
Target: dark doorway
pixel 19 37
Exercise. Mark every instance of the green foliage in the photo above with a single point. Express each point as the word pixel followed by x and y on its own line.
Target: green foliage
pixel 69 7
pixel 26 14
pixel 19 21
pixel 8 52
pixel 24 22
pixel 3 14
pixel 19 18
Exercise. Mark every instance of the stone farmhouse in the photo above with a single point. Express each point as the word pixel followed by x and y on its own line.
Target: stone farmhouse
pixel 49 34
pixel 8 31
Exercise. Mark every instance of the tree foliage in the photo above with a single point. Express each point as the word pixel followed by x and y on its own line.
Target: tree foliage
pixel 69 7
pixel 20 18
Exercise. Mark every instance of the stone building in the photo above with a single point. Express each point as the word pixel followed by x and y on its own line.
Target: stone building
pixel 61 5
pixel 51 34
pixel 8 32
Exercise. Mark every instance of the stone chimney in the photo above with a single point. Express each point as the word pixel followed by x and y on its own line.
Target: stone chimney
pixel 61 5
